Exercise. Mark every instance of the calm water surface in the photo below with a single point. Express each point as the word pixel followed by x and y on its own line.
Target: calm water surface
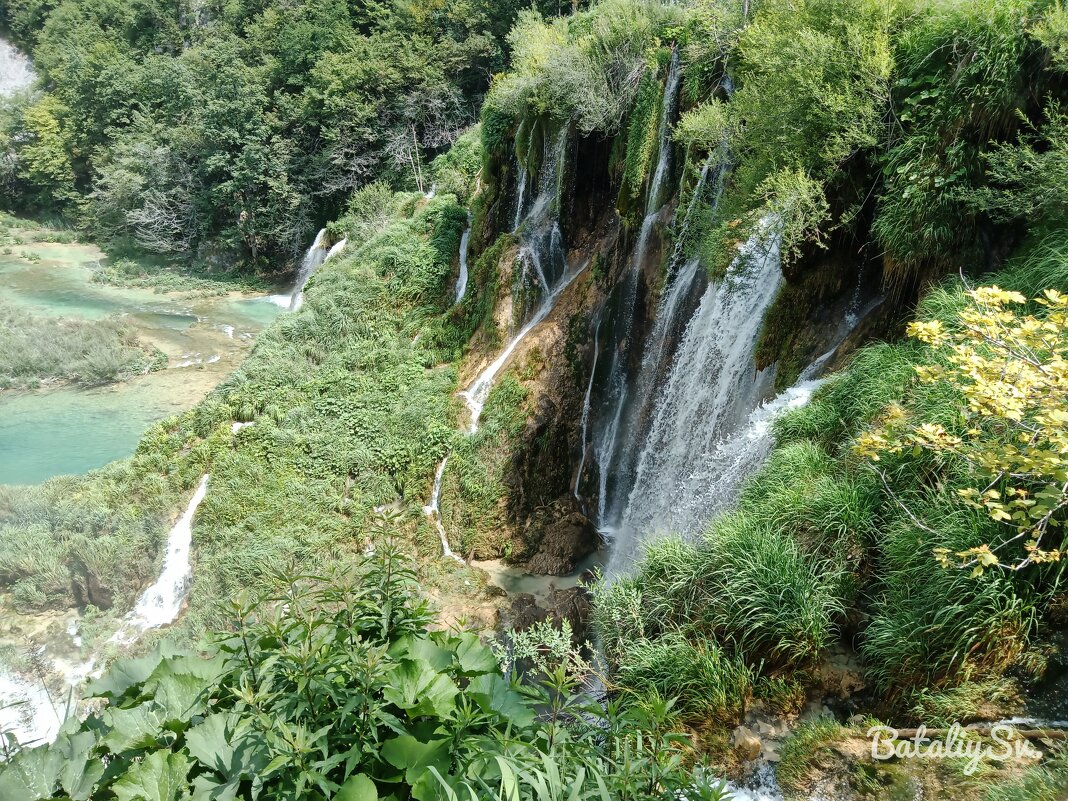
pixel 67 430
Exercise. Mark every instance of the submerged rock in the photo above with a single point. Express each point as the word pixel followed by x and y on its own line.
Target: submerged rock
pixel 573 605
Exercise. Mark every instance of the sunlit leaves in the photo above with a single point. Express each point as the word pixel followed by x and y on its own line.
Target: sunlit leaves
pixel 1010 367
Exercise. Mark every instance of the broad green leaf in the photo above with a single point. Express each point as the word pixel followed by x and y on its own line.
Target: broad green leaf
pixel 357 788
pixel 158 777
pixel 474 657
pixel 81 770
pixel 181 695
pixel 412 647
pixel 135 728
pixel 494 694
pixel 414 757
pixel 219 743
pixel 125 673
pixel 421 690
pixel 31 775
pixel 207 788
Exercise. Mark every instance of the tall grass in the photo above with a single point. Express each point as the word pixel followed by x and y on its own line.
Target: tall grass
pixel 749 586
pixel 37 350
pixel 709 685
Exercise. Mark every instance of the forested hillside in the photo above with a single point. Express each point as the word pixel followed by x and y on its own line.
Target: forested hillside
pixel 759 309
pixel 235 130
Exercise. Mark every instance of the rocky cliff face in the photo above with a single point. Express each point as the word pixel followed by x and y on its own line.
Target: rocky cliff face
pixel 588 381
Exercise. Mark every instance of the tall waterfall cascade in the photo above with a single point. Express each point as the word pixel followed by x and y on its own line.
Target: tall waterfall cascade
pixel 710 390
pixel 541 259
pixel 461 280
pixel 618 392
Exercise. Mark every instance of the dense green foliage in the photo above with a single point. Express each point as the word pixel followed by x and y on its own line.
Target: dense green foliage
pixel 337 690
pixel 235 127
pixel 40 351
pixel 351 412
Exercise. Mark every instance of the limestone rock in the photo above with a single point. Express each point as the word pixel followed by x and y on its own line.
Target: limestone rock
pixel 746 743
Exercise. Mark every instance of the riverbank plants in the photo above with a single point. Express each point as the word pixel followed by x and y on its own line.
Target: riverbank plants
pixel 37 351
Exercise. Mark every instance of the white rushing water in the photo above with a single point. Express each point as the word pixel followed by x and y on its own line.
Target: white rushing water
pixel 161 602
pixel 15 70
pixel 461 280
pixel 710 390
pixel 618 387
pixel 521 190
pixel 433 511
pixel 312 261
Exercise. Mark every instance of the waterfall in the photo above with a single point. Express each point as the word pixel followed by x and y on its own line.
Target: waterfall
pixel 311 262
pixel 717 480
pixel 618 387
pixel 521 189
pixel 161 603
pixel 433 511
pixel 542 253
pixel 336 248
pixel 461 281
pixel 475 395
pixel 710 389
pixel 586 406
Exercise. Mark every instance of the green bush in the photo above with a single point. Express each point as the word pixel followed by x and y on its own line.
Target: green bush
pixel 337 689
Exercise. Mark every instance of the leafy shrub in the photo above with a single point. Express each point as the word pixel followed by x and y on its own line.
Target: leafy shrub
pixel 336 689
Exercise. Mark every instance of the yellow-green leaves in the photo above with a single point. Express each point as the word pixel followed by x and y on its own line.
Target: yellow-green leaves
pixel 1011 370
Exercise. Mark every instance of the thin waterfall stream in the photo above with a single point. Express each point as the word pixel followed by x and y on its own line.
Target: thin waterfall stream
pixel 541 251
pixel 30 711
